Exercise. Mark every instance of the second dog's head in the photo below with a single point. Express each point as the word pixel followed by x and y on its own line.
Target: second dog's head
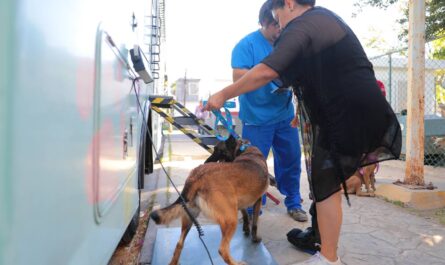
pixel 438 142
pixel 228 150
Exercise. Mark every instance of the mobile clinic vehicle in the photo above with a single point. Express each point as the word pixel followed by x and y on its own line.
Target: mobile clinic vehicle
pixel 72 137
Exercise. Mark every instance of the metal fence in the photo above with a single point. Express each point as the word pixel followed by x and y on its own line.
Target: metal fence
pixel 391 69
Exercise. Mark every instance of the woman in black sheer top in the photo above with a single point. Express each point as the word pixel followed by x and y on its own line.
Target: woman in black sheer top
pixel 347 123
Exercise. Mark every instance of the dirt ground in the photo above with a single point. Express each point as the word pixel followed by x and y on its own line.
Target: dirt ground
pixel 435 215
pixel 129 254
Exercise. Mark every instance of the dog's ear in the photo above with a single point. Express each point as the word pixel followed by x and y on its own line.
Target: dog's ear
pixel 231 143
pixel 224 151
pixel 215 156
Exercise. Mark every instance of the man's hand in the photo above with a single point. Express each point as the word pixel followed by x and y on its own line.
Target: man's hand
pixel 215 101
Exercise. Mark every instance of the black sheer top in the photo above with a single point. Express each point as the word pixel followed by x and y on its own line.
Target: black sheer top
pixel 322 59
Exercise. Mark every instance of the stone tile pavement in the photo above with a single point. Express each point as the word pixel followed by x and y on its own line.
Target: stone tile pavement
pixel 373 231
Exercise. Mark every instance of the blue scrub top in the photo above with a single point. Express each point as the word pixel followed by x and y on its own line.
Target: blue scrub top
pixel 260 107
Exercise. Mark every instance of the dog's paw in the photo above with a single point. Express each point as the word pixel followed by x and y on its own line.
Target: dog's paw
pixel 241 263
pixel 246 228
pixel 272 181
pixel 366 194
pixel 256 239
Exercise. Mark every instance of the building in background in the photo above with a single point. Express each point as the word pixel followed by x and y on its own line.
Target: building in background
pixel 187 92
pixel 393 73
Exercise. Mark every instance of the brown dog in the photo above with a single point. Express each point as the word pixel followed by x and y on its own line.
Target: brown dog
pixel 219 190
pixel 225 152
pixel 365 175
pixel 438 142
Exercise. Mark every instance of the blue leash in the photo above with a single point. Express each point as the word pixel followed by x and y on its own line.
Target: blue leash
pixel 227 123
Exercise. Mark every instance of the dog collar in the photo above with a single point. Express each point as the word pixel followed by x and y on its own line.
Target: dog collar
pixel 243 147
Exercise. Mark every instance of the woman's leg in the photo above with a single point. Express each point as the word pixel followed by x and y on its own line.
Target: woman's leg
pixel 329 217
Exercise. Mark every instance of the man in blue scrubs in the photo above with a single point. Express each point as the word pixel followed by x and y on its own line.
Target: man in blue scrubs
pixel 266 113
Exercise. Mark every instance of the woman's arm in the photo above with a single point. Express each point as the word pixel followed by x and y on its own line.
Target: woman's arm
pixel 255 78
pixel 238 73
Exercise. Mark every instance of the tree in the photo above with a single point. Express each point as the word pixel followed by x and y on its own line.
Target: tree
pixel 375 41
pixel 435 15
pixel 438 49
pixel 438 52
pixel 173 88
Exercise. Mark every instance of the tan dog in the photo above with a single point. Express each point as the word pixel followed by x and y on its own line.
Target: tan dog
pixel 438 142
pixel 365 175
pixel 219 190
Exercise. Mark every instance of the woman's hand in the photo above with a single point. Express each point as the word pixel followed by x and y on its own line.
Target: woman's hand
pixel 295 122
pixel 215 101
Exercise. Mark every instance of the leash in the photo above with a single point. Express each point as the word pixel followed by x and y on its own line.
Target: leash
pixel 183 204
pixel 227 123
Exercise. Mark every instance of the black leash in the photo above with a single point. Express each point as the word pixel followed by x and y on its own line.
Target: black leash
pixel 134 77
pixel 182 199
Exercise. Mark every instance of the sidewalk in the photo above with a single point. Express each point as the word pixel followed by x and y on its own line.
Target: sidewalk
pixel 373 231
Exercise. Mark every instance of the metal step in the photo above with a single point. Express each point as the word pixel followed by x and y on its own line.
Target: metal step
pixel 161 101
pixel 209 139
pixel 185 120
pixel 158 103
pixel 193 253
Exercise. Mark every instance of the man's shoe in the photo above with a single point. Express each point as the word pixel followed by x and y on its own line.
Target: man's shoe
pixel 298 215
pixel 306 240
pixel 318 259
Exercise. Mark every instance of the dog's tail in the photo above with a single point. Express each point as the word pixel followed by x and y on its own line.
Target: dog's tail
pixel 176 209
pixel 169 213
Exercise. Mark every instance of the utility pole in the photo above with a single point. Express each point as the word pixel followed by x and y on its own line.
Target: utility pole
pixel 185 87
pixel 415 131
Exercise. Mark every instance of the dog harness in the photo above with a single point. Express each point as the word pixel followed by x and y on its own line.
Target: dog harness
pixel 371 158
pixel 375 170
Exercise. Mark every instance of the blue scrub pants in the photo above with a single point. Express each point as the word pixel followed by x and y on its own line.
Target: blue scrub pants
pixel 285 144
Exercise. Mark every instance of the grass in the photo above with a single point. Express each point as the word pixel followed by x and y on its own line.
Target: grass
pixel 440 215
pixel 435 215
pixel 396 203
pixel 399 203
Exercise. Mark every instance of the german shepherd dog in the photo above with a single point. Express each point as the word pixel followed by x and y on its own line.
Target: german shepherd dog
pixel 219 190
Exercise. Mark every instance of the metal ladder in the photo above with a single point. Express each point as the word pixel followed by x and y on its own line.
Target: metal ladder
pixel 187 118
pixel 168 102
